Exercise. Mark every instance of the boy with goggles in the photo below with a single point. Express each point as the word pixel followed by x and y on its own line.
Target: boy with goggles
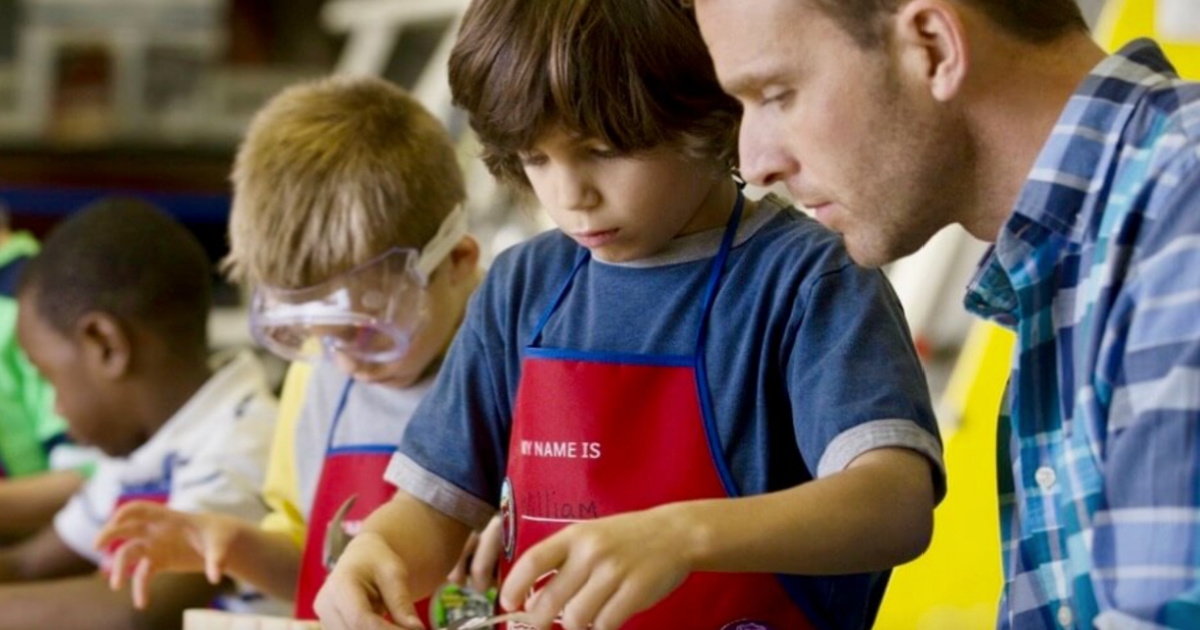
pixel 348 219
pixel 369 314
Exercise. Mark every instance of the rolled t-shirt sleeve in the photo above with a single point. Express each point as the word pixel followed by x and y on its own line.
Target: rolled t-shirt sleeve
pixel 854 378
pixel 226 474
pixel 86 513
pixel 454 451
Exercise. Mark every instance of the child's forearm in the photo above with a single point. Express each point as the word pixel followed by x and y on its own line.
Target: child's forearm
pixel 29 503
pixel 86 603
pixel 267 561
pixel 42 556
pixel 876 514
pixel 427 541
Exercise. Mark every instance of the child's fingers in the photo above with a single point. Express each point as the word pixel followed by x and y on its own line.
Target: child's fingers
pixel 216 549
pixel 487 557
pixel 343 605
pixel 629 599
pixel 544 605
pixel 458 575
pixel 393 593
pixel 212 567
pixel 115 530
pixel 584 604
pixel 141 583
pixel 541 559
pixel 120 563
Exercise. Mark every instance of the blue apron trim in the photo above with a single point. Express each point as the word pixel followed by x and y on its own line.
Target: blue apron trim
pixel 337 415
pixel 661 360
pixel 699 367
pixel 582 258
pixel 361 449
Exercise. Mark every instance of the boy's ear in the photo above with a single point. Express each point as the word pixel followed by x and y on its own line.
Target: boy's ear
pixel 105 344
pixel 464 259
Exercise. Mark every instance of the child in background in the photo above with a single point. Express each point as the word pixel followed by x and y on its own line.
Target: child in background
pixel 348 220
pixel 33 486
pixel 114 312
pixel 629 388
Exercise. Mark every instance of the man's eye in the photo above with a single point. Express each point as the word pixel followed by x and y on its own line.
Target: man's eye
pixel 780 97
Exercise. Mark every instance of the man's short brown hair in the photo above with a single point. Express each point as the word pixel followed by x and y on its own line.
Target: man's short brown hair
pixel 333 173
pixel 633 74
pixel 1036 21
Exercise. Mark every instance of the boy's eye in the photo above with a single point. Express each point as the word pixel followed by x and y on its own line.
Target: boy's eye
pixel 603 152
pixel 530 160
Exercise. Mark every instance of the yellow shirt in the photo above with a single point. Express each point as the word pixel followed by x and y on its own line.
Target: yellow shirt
pixel 281 491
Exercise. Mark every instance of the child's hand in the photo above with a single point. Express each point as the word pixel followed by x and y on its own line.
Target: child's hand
pixel 607 570
pixel 479 560
pixel 156 539
pixel 368 581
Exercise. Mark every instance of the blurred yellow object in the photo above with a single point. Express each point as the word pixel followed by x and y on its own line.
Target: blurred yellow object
pixel 281 490
pixel 1123 21
pixel 202 619
pixel 956 584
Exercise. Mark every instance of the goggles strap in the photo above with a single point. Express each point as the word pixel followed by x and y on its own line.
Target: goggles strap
pixel 452 230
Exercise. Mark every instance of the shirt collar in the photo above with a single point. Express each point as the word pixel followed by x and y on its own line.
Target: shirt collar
pixel 1071 168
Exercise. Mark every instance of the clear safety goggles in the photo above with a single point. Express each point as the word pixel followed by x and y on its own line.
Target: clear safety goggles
pixel 370 313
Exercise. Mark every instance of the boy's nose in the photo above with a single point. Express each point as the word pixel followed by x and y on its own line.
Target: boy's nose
pixel 577 195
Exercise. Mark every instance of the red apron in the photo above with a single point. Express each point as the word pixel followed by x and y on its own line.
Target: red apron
pixel 597 434
pixel 355 470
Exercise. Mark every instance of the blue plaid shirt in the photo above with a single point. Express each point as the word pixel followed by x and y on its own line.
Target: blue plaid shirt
pixel 1098 271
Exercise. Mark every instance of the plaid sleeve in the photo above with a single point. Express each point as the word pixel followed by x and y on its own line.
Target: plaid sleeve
pixel 1146 545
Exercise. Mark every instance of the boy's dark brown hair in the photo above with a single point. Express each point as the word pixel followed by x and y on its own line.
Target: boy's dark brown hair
pixel 1035 21
pixel 633 74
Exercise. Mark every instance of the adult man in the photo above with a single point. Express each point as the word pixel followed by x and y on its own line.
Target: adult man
pixel 894 118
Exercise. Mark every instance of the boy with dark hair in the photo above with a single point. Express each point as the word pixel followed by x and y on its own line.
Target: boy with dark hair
pixel 34 482
pixel 629 387
pixel 114 313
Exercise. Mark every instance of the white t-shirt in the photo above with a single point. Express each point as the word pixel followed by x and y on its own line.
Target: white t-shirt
pixel 210 456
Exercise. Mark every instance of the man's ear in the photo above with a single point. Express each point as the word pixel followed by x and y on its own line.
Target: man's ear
pixel 930 41
pixel 105 345
pixel 463 259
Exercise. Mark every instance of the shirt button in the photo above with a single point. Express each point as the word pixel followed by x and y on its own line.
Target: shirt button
pixel 1045 477
pixel 1065 617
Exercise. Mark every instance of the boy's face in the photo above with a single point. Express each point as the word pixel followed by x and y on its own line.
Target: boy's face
pixel 79 391
pixel 426 345
pixel 384 322
pixel 623 207
pixel 853 132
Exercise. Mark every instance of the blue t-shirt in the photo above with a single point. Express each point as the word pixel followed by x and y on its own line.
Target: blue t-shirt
pixel 809 363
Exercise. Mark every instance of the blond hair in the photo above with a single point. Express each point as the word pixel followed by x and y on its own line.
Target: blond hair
pixel 333 173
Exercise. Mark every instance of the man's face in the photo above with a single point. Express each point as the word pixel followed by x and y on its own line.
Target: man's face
pixel 853 136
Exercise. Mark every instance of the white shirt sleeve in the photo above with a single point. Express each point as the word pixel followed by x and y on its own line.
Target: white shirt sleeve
pixel 88 510
pixel 224 472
